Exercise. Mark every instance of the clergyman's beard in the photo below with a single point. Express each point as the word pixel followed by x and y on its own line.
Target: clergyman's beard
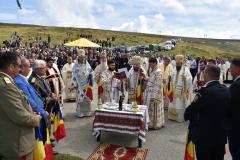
pixel 136 69
pixel 111 69
pixel 178 68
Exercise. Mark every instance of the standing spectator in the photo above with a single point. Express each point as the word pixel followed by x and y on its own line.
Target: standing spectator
pixel 193 67
pixel 92 60
pixel 22 83
pixel 49 41
pixel 17 118
pixel 207 117
pixel 198 81
pixel 61 61
pixel 123 63
pixel 39 83
pixel 117 59
pixel 234 111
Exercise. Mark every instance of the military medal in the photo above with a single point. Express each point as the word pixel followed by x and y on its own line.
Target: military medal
pixel 7 80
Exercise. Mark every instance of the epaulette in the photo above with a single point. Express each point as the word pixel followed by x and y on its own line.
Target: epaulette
pixel 197 96
pixel 7 80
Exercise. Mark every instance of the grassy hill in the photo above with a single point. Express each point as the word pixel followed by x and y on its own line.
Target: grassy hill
pixel 193 46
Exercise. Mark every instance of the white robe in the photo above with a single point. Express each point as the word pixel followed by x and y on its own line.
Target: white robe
pixel 102 67
pixel 111 87
pixel 181 93
pixel 80 80
pixel 154 99
pixel 132 85
pixel 67 77
pixel 223 71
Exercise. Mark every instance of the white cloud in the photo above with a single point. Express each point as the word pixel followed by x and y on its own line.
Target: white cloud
pixel 106 10
pixel 197 32
pixel 77 13
pixel 174 5
pixel 219 32
pixel 205 1
pixel 158 24
pixel 234 3
pixel 109 9
pixel 227 3
pixel 143 24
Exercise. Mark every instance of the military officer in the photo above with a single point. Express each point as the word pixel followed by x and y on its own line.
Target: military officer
pixel 17 118
pixel 207 115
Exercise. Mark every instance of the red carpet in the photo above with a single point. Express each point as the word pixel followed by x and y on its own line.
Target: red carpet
pixel 115 152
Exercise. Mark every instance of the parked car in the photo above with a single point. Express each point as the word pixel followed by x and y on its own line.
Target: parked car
pixel 168 47
pixel 154 47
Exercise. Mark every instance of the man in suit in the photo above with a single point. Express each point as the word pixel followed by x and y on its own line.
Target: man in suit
pixel 22 83
pixel 207 116
pixel 36 79
pixel 234 111
pixel 17 118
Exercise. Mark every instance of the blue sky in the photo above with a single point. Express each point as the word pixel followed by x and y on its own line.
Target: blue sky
pixel 192 18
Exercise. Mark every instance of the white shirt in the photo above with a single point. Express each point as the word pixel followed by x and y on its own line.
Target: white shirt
pixel 193 64
pixel 237 78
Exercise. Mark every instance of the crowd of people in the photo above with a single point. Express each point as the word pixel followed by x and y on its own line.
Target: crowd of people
pixel 44 41
pixel 187 88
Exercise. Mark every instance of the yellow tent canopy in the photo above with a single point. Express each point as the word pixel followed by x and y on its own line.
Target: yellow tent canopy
pixel 82 42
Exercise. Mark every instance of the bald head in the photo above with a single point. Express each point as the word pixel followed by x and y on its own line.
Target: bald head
pixel 25 67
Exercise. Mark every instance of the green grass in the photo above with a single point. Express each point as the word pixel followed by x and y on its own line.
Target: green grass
pixel 209 48
pixel 67 157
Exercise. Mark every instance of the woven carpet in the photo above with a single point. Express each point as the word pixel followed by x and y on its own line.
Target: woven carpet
pixel 115 152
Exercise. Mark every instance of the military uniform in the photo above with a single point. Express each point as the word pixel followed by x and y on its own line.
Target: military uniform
pixel 17 122
pixel 207 115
